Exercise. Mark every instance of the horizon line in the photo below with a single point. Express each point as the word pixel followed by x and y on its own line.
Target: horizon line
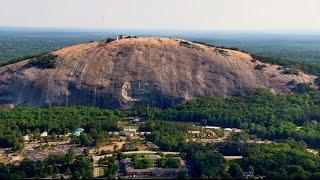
pixel 96 30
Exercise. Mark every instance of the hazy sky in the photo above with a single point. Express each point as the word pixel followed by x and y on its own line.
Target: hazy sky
pixel 163 14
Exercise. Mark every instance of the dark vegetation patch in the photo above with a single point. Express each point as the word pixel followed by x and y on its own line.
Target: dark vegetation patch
pixel 44 62
pixel 313 69
pixel 109 40
pixel 22 59
pixel 291 71
pixel 223 52
pixel 221 47
pixel 260 67
pixel 185 43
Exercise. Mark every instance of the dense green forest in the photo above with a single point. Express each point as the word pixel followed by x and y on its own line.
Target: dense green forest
pixel 298 48
pixel 17 44
pixel 262 113
pixel 76 167
pixel 17 122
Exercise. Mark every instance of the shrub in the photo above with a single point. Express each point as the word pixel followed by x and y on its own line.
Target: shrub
pixel 260 67
pixel 235 171
pixel 104 152
pixel 109 40
pixel 291 71
pixel 168 162
pixel 141 163
pixel 317 81
pixel 43 62
pixel 302 88
pixel 184 43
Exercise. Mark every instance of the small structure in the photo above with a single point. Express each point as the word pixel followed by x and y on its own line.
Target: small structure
pixel 194 132
pixel 126 160
pixel 136 120
pixel 113 133
pixel 77 132
pixel 229 158
pixel 44 134
pixel 125 37
pixel 128 133
pixel 120 37
pixel 144 133
pixel 130 129
pixel 153 171
pixel 27 137
pixel 228 129
pixel 153 157
pixel 237 130
pixel 212 127
pixel 152 146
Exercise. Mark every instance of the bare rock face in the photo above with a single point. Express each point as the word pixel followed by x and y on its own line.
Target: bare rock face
pixel 153 71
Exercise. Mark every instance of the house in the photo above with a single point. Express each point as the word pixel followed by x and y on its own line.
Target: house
pixel 44 134
pixel 194 132
pixel 113 133
pixel 27 137
pixel 144 133
pixel 212 127
pixel 129 129
pixel 136 120
pixel 77 132
pixel 228 129
pixel 126 160
pixel 237 130
pixel 229 158
pixel 128 133
pixel 153 171
pixel 120 37
pixel 153 157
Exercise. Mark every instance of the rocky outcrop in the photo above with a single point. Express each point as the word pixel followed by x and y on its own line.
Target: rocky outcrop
pixel 153 71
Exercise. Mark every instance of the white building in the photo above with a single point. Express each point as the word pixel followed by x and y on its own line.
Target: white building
pixel 228 129
pixel 136 120
pixel 120 37
pixel 128 133
pixel 27 137
pixel 129 129
pixel 113 133
pixel 194 132
pixel 44 134
pixel 212 127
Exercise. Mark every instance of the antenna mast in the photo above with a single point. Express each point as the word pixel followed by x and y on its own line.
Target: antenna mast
pixel 102 19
